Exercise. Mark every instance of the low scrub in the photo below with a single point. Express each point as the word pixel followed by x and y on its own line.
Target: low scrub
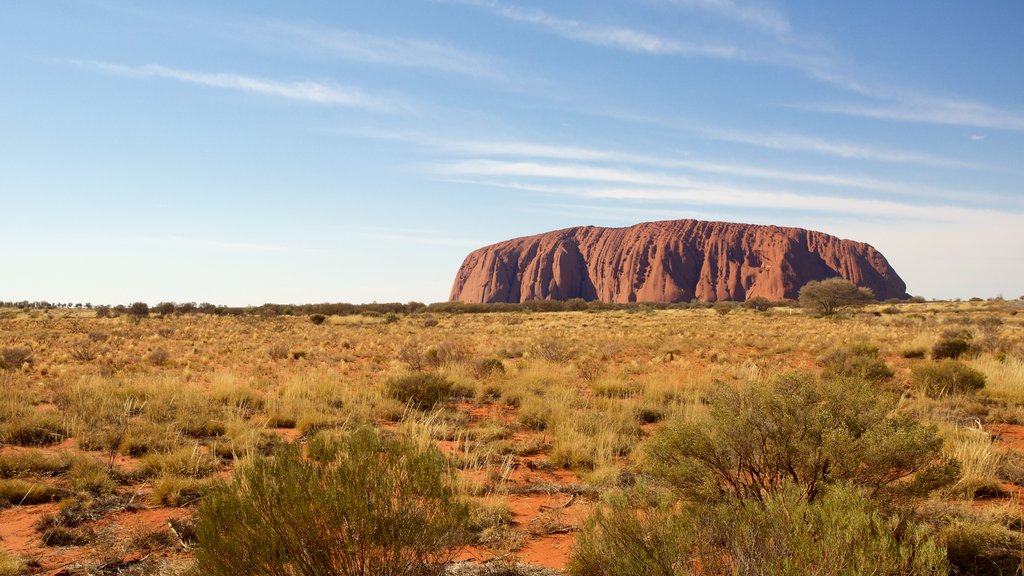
pixel 947 377
pixel 842 533
pixel 422 390
pixel 856 361
pixel 22 492
pixel 378 506
pixel 802 432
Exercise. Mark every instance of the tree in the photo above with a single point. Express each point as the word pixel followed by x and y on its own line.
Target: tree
pixel 830 295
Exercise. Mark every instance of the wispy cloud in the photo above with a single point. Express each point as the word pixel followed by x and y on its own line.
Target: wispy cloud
pixel 376 49
pixel 303 91
pixel 615 184
pixel 530 150
pixel 762 17
pixel 836 148
pixel 916 108
pixel 621 37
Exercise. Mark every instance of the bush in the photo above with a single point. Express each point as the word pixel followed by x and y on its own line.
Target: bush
pixel 953 346
pixel 488 366
pixel 856 361
pixel 946 377
pixel 380 506
pixel 13 358
pixel 841 534
pixel 828 296
pixel 758 303
pixel 317 319
pixel 38 428
pixel 422 390
pixel 978 548
pixel 139 309
pixel 798 431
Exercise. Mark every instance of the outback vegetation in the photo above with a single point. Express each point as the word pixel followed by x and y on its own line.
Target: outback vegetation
pixel 572 437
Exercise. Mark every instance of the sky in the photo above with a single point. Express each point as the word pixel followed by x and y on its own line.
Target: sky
pixel 297 152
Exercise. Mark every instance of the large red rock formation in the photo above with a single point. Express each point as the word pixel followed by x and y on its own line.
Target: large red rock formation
pixel 670 261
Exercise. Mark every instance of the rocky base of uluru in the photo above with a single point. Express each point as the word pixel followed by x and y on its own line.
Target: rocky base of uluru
pixel 669 261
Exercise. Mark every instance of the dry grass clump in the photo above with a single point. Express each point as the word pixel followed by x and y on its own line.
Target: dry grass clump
pixel 33 462
pixel 11 564
pixel 192 462
pixel 17 492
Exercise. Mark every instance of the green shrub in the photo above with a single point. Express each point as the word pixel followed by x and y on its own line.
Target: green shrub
pixel 758 303
pixel 946 377
pixel 952 346
pixel 840 534
pixel 856 361
pixel 758 438
pixel 382 506
pixel 422 390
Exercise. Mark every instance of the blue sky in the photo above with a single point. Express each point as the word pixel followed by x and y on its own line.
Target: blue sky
pixel 251 152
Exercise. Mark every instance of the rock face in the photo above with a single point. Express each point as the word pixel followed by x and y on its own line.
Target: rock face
pixel 669 261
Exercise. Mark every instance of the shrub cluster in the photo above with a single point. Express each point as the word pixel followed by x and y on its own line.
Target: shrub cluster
pixel 372 505
pixel 947 377
pixel 788 479
pixel 855 361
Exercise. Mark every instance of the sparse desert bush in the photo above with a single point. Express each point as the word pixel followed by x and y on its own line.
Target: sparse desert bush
pixel 14 358
pixel 947 377
pixel 951 346
pixel 422 390
pixel 64 536
pixel 798 431
pixel 856 361
pixel 388 505
pixel 843 533
pixel 158 356
pixel 317 319
pixel 913 353
pixel 983 548
pixel 758 303
pixel 487 367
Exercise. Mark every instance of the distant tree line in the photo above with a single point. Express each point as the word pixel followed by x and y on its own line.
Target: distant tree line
pixel 142 309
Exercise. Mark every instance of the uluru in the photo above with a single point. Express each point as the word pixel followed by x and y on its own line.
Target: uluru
pixel 669 261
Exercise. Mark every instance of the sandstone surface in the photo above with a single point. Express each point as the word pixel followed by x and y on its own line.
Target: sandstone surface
pixel 669 261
